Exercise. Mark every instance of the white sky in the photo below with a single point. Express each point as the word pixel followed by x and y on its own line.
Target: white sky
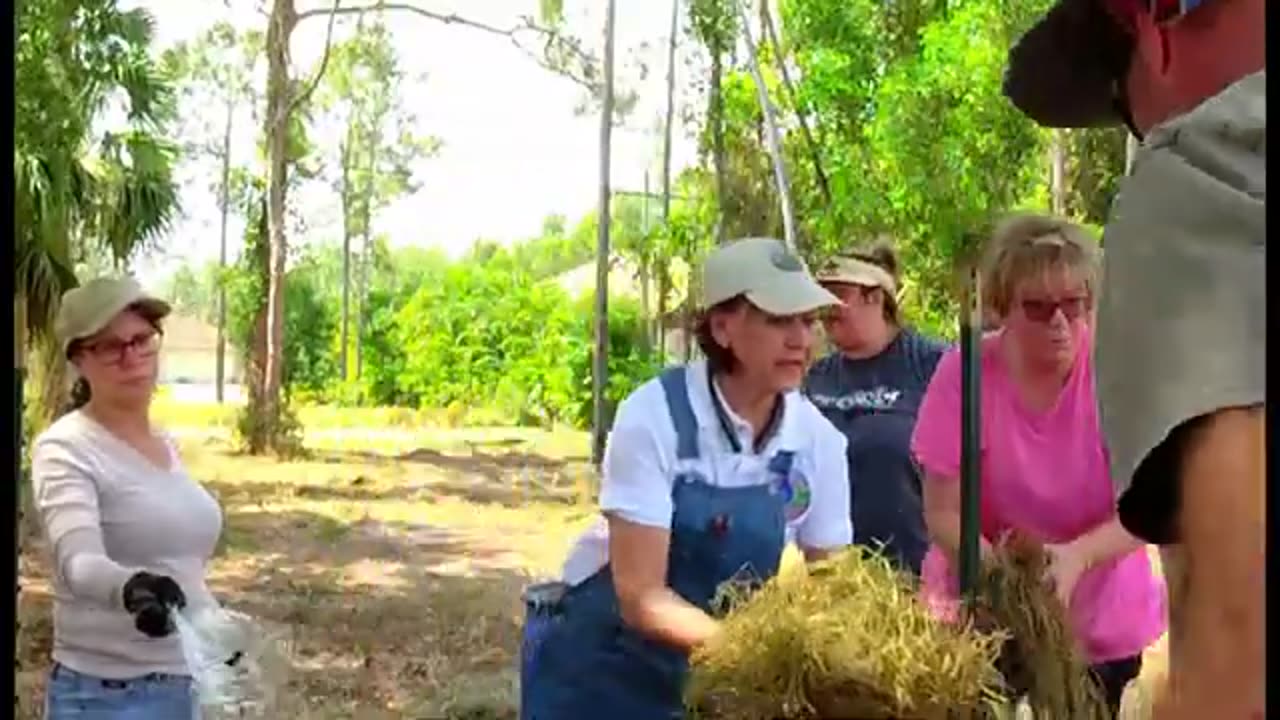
pixel 514 150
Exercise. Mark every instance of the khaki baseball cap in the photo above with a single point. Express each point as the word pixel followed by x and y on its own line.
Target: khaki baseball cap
pixel 852 271
pixel 87 309
pixel 769 275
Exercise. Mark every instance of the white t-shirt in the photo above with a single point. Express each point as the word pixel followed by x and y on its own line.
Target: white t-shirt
pixel 640 465
pixel 109 512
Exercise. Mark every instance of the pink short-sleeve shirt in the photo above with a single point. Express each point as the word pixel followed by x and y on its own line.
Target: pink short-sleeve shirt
pixel 1044 473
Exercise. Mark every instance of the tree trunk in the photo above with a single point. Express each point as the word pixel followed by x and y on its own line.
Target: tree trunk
pixel 344 197
pixel 279 108
pixel 259 256
pixel 50 379
pixel 719 157
pixel 220 358
pixel 663 269
pixel 815 153
pixel 690 306
pixel 720 162
pixel 362 291
pixel 773 141
pixel 645 268
pixel 366 261
pixel 600 369
pixel 1058 171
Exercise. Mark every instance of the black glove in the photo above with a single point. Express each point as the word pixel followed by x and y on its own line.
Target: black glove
pixel 148 598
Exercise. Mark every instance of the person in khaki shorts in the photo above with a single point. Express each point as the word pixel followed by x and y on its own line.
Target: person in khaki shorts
pixel 1182 318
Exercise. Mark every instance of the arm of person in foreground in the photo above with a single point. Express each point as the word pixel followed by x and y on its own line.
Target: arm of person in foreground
pixel 635 496
pixel 828 527
pixel 1069 561
pixel 66 500
pixel 638 558
pixel 1220 669
pixel 1104 543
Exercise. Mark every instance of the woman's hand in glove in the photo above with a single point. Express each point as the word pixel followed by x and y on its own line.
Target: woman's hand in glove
pixel 149 598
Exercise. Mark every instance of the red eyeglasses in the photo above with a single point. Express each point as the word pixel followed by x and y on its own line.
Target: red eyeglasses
pixel 1042 311
pixel 112 351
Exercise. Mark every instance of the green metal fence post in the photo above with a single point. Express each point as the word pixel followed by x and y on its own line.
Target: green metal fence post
pixel 970 437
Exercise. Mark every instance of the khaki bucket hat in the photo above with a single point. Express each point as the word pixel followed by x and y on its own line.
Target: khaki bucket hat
pixel 87 309
pixel 769 275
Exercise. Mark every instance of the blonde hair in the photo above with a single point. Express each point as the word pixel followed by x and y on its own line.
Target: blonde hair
pixel 1029 246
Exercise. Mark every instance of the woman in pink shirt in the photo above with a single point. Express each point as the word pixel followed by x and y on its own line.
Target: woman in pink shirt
pixel 1044 464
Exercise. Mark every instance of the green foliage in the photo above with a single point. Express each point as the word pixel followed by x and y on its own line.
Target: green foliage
pixel 362 93
pixel 193 290
pixel 80 189
pixel 910 127
pixel 285 431
pixel 493 336
pixel 310 325
pixel 491 332
pixel 310 321
pixel 714 24
pixel 246 282
pixel 215 69
pixel 1095 166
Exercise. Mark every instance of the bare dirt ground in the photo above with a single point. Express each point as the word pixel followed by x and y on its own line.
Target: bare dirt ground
pixel 394 562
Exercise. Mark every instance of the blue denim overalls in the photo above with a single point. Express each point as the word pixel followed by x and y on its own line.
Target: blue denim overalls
pixel 580 660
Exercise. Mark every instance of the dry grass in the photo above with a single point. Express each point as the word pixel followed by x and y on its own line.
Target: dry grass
pixel 1138 699
pixel 846 639
pixel 398 572
pixel 395 557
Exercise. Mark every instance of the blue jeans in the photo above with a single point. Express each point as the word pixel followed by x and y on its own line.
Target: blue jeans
pixel 75 696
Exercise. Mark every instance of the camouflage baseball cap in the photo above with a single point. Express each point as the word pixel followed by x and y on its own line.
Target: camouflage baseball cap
pixel 87 309
pixel 1067 70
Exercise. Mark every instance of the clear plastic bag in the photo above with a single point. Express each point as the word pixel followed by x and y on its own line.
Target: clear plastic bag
pixel 239 666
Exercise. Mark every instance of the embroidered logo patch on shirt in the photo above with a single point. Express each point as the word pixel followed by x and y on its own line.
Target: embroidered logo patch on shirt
pixel 786 480
pixel 798 496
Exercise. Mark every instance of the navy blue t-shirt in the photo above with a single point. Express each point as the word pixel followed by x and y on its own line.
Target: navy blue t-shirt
pixel 874 402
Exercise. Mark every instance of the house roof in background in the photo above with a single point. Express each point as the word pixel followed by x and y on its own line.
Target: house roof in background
pixel 189 333
pixel 624 279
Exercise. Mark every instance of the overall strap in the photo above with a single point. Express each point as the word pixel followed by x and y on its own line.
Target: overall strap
pixel 676 389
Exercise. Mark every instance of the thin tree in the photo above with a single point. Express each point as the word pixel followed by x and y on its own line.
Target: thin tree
pixel 780 57
pixel 600 368
pixel 1058 171
pixel 559 53
pixel 772 137
pixel 664 269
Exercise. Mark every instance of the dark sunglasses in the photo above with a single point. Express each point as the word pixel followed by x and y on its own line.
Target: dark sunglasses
pixel 1042 311
pixel 112 351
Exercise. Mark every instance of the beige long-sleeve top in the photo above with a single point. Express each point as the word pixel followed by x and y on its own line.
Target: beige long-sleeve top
pixel 108 512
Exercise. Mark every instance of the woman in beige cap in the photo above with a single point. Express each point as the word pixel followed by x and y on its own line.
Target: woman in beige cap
pixel 710 469
pixel 130 532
